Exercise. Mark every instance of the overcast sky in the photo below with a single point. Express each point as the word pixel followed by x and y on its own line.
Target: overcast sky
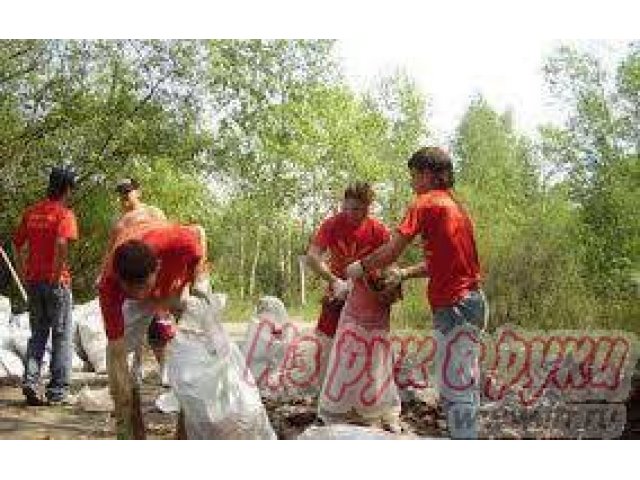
pixel 508 74
pixel 452 48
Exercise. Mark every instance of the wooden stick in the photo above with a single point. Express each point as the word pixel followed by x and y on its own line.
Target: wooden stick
pixel 14 275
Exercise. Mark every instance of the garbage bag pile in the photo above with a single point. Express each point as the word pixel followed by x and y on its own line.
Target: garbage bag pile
pixel 209 377
pixel 89 340
pixel 287 362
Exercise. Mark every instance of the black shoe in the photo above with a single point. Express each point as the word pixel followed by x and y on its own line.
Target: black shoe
pixel 32 397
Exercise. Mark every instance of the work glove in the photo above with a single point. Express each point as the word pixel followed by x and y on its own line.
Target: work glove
pixel 392 285
pixel 393 277
pixel 355 270
pixel 340 288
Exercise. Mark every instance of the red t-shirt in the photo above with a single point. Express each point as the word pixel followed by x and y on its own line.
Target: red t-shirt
pixel 178 250
pixel 42 224
pixel 449 246
pixel 347 242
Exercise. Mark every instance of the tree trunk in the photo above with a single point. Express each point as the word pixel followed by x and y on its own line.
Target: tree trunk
pixel 287 264
pixel 241 270
pixel 302 260
pixel 254 266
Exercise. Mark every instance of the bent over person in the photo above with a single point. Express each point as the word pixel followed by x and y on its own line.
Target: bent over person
pixel 147 275
pixel 135 214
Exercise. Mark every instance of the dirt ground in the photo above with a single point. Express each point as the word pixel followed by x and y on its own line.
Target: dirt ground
pixel 421 416
pixel 19 421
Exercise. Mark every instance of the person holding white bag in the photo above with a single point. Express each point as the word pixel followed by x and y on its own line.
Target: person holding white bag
pixel 148 274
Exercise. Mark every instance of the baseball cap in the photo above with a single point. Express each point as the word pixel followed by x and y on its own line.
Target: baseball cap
pixel 126 185
pixel 62 176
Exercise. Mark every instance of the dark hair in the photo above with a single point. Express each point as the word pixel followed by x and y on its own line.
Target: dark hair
pixel 435 160
pixel 361 191
pixel 134 261
pixel 61 179
pixel 127 185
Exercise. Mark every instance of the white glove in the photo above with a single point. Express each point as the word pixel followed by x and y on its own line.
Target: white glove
pixel 340 288
pixel 354 270
pixel 395 277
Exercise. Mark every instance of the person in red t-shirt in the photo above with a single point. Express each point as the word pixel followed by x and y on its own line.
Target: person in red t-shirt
pixel 134 214
pixel 450 262
pixel 148 274
pixel 347 236
pixel 41 245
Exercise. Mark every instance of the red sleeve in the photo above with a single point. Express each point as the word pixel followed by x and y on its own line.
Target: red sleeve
pixel 324 237
pixel 68 227
pixel 411 225
pixel 111 298
pixel 20 235
pixel 384 233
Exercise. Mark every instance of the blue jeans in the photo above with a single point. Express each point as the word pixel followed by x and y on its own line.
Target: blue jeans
pixel 49 312
pixel 461 407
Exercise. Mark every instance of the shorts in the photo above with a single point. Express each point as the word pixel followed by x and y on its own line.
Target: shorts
pixel 329 316
pixel 138 321
pixel 160 332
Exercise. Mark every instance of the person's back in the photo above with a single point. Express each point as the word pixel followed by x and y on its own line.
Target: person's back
pixel 42 224
pixel 41 244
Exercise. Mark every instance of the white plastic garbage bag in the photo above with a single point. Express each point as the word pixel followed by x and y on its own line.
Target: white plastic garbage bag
pixel 167 402
pixel 20 321
pixel 93 336
pixel 264 348
pixel 5 310
pixel 350 432
pixel 359 377
pixel 208 375
pixel 6 337
pixel 19 341
pixel 11 364
pixel 98 400
pixel 77 364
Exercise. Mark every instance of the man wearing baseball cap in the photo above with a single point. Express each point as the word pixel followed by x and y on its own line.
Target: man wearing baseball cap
pixel 41 245
pixel 133 209
pixel 135 215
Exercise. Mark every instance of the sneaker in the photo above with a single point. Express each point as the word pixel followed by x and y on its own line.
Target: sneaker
pixel 55 402
pixel 32 397
pixel 393 426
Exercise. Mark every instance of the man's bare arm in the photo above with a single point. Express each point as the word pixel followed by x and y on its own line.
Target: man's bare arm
pixel 386 254
pixel 318 265
pixel 419 270
pixel 61 254
pixel 21 260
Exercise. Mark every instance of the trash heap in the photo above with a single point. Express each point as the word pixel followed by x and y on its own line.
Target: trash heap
pixel 89 341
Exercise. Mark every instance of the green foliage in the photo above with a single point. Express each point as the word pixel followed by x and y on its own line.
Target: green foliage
pixel 256 139
pixel 602 146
